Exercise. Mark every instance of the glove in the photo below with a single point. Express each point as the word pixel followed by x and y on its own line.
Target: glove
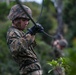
pixel 35 29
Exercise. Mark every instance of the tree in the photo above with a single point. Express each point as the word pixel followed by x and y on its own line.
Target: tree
pixel 69 14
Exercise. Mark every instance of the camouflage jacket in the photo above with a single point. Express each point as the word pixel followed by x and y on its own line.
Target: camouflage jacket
pixel 22 50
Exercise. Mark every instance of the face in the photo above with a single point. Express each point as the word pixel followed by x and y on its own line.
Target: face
pixel 21 23
pixel 24 23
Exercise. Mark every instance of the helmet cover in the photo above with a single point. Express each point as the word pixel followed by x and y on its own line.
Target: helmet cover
pixel 16 12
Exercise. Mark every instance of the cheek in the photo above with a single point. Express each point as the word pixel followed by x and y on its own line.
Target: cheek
pixel 23 25
pixel 18 24
pixel 26 22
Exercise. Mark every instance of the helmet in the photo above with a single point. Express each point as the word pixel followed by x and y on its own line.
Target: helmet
pixel 63 43
pixel 16 12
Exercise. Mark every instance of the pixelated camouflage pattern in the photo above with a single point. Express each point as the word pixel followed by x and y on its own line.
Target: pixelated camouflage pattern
pixel 59 70
pixel 57 53
pixel 22 51
pixel 16 11
pixel 38 72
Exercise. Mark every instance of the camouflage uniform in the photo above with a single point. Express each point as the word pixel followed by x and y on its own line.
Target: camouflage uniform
pixel 22 51
pixel 58 52
pixel 20 47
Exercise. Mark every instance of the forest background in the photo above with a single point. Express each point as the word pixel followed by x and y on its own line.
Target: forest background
pixel 44 48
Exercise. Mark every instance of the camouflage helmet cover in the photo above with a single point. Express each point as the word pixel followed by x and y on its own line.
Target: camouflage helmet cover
pixel 16 11
pixel 63 43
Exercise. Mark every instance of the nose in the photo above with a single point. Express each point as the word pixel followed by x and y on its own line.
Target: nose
pixel 26 22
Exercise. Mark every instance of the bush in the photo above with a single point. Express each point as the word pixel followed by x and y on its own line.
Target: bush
pixel 3 11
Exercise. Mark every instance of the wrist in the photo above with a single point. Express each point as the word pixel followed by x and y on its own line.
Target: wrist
pixel 30 37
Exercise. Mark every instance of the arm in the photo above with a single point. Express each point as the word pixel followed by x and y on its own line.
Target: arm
pixel 16 42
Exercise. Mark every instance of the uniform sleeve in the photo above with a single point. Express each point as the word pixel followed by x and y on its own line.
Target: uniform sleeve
pixel 16 42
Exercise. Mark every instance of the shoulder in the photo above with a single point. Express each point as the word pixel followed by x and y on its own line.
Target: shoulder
pixel 13 32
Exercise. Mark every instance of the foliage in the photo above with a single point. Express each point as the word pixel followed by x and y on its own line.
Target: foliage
pixel 61 62
pixel 72 61
pixel 3 11
pixel 35 11
pixel 48 20
pixel 69 14
pixel 47 24
pixel 6 63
